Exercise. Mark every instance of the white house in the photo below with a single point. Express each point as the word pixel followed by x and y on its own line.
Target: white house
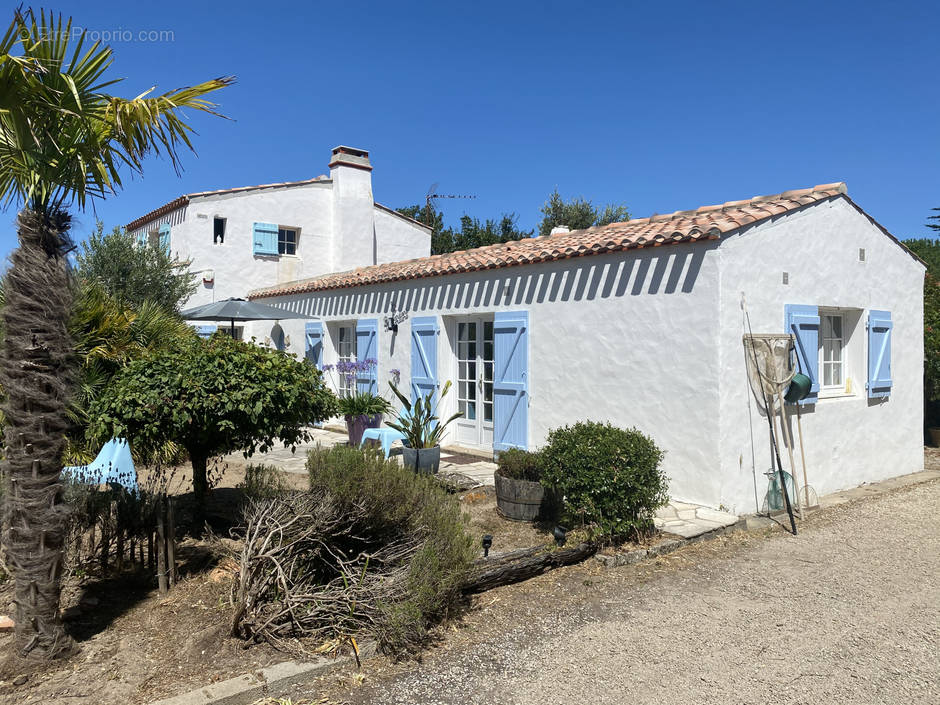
pixel 641 323
pixel 240 239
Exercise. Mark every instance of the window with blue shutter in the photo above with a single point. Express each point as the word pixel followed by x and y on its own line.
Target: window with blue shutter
pixel 206 331
pixel 511 380
pixel 313 343
pixel 264 239
pixel 165 238
pixel 367 349
pixel 424 337
pixel 879 354
pixel 142 238
pixel 802 322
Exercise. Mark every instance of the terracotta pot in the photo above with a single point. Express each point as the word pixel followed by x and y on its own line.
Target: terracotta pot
pixel 356 426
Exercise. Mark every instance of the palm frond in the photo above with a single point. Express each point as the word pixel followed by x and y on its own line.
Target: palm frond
pixel 62 137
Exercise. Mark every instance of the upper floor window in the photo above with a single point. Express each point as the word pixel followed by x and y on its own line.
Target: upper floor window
pixel 218 231
pixel 286 241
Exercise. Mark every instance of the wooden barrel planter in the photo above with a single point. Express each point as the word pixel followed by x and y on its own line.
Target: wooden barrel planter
pixel 520 500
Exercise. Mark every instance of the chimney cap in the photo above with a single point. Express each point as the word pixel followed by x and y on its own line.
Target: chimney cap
pixel 350 156
pixel 560 230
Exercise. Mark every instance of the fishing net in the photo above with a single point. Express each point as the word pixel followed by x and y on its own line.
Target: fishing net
pixel 768 364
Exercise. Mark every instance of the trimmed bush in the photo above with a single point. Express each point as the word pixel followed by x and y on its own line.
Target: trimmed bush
pixel 609 478
pixel 519 464
pixel 372 548
pixel 262 482
pixel 400 502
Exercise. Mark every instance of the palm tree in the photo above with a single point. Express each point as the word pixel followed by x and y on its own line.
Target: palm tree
pixel 63 142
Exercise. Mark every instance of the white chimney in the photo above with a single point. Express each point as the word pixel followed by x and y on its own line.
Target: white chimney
pixel 560 230
pixel 353 209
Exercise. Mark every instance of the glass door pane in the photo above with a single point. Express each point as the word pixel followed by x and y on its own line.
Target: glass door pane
pixel 466 369
pixel 487 370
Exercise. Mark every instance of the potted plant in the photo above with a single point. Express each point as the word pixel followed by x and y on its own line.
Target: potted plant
pixel 422 429
pixel 519 492
pixel 362 410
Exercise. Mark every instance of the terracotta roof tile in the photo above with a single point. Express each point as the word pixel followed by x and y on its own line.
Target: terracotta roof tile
pixel 705 223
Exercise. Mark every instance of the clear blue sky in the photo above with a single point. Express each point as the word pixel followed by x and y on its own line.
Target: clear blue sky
pixel 662 106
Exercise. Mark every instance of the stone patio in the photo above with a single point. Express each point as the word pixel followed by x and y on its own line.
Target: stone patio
pixel 477 469
pixel 691 520
pixel 680 518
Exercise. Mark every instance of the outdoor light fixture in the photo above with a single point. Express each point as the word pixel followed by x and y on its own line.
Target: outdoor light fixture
pixel 487 542
pixel 391 322
pixel 561 535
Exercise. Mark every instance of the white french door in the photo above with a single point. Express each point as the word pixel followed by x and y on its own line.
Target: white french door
pixel 475 382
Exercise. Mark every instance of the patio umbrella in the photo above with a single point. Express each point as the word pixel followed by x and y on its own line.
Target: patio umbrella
pixel 239 310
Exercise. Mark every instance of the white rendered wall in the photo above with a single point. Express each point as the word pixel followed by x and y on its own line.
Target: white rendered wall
pixel 354 243
pixel 310 210
pixel 397 239
pixel 626 338
pixel 848 441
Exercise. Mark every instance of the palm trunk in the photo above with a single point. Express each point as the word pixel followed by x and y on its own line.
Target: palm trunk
pixel 36 376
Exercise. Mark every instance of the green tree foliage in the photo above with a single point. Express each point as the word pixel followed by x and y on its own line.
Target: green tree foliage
pixel 928 249
pixel 578 213
pixel 472 231
pixel 108 336
pixel 133 275
pixel 212 397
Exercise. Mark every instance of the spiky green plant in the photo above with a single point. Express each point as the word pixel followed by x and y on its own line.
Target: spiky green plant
pixel 419 421
pixel 63 142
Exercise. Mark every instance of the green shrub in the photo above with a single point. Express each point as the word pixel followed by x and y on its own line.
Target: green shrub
pixel 520 464
pixel 609 478
pixel 262 482
pixel 400 506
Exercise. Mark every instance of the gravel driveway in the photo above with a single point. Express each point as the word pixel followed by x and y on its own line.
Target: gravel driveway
pixel 846 612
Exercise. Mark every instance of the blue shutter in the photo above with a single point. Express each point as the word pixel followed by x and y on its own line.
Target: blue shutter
pixel 367 349
pixel 264 239
pixel 511 380
pixel 206 331
pixel 879 354
pixel 142 238
pixel 313 344
pixel 424 336
pixel 165 238
pixel 802 322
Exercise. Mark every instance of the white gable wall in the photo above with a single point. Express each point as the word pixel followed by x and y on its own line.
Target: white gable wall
pixel 851 440
pixel 626 338
pixel 365 234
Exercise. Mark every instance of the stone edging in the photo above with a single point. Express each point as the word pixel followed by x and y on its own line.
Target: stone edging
pixel 273 681
pixel 665 545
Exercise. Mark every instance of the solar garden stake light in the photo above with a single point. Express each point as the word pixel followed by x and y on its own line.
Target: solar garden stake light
pixel 561 535
pixel 487 542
